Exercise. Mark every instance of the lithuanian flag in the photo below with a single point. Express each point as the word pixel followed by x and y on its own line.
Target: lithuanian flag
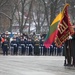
pixel 53 30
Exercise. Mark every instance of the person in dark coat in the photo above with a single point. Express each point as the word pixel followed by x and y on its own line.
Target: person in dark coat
pixel 41 46
pixel 54 48
pixel 51 50
pixel 5 47
pixel 59 50
pixel 30 46
pixel 14 44
pixel 67 53
pixel 73 49
pixel 22 44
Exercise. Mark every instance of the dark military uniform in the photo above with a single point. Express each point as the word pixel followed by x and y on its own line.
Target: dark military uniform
pixel 30 46
pixel 51 50
pixel 55 49
pixel 14 44
pixel 36 47
pixel 8 39
pixel 44 50
pixel 22 44
pixel 73 49
pixel 5 46
pixel 67 49
pixel 59 50
pixel 41 46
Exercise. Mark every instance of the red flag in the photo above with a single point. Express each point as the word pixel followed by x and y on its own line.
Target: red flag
pixel 53 29
pixel 64 29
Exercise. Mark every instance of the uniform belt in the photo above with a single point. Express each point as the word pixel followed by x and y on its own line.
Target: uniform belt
pixel 15 44
pixel 22 44
pixel 30 44
pixel 5 44
pixel 36 44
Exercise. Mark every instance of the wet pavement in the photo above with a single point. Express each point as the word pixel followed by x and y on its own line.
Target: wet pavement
pixel 34 65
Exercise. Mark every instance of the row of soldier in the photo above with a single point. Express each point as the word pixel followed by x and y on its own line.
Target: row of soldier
pixel 28 46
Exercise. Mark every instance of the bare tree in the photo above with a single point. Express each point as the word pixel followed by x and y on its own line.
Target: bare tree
pixel 8 11
pixel 38 15
pixel 22 18
pixel 3 2
pixel 41 13
pixel 72 9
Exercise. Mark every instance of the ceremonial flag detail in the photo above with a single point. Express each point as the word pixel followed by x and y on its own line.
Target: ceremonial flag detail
pixel 53 28
pixel 65 29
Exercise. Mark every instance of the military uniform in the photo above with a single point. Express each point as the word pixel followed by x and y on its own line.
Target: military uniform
pixel 5 47
pixel 51 50
pixel 14 44
pixel 59 50
pixel 73 49
pixel 36 47
pixel 41 46
pixel 54 49
pixel 67 49
pixel 22 44
pixel 30 46
pixel 44 50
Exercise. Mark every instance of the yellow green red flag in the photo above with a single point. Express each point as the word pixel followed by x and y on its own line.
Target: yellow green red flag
pixel 53 30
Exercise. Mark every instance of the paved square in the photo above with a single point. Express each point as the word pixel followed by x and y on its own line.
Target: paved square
pixel 34 65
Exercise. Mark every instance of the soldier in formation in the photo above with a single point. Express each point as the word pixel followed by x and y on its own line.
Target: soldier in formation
pixel 24 45
pixel 36 47
pixel 5 47
pixel 14 46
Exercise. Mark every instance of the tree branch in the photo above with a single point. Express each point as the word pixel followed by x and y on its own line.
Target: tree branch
pixel 3 3
pixel 5 15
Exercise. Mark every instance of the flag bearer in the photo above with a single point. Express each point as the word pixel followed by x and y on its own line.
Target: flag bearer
pixel 67 49
pixel 73 49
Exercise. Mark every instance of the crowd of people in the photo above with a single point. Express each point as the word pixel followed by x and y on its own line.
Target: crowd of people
pixel 27 45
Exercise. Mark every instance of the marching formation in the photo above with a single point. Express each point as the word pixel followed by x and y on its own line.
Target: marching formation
pixel 27 45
